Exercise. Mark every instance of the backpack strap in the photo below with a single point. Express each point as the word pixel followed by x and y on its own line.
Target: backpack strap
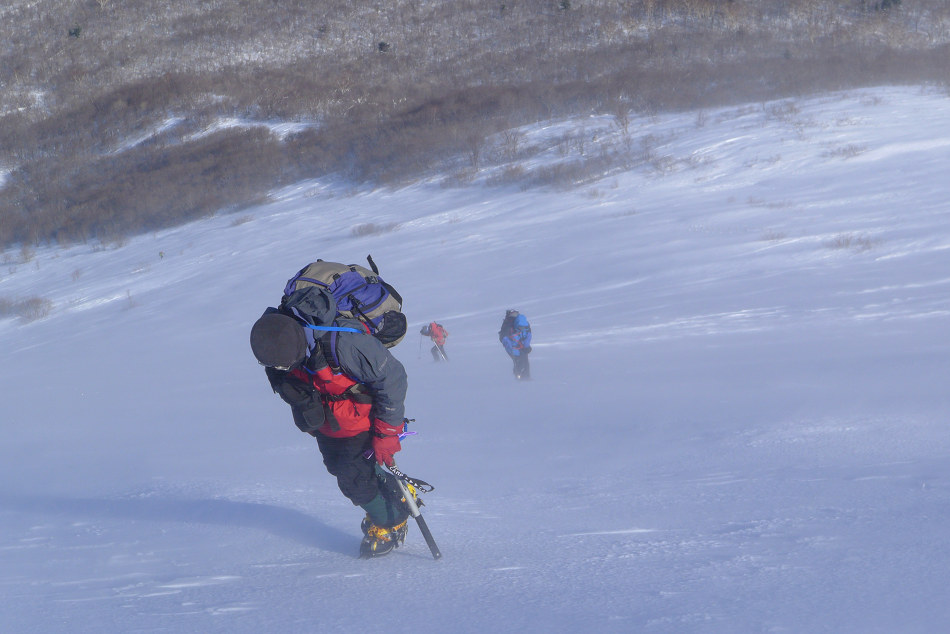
pixel 328 342
pixel 372 265
pixel 392 291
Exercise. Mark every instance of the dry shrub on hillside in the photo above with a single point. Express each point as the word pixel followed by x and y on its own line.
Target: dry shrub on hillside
pixel 80 80
pixel 29 309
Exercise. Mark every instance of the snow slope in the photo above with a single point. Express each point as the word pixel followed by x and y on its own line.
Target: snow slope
pixel 737 419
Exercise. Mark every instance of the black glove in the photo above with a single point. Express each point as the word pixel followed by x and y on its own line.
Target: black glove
pixel 295 392
pixel 305 402
pixel 275 377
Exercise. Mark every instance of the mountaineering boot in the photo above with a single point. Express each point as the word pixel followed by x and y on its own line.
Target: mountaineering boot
pixel 379 541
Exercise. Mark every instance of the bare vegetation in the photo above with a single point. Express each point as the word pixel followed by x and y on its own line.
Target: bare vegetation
pixel 29 309
pixel 371 228
pixel 121 117
pixel 851 242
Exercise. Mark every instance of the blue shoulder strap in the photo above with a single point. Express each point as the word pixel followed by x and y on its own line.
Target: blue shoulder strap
pixel 332 328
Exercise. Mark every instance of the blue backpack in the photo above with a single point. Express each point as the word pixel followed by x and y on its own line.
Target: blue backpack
pixel 359 294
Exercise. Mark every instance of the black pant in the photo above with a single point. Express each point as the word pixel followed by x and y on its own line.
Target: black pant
pixel 522 370
pixel 358 480
pixel 355 474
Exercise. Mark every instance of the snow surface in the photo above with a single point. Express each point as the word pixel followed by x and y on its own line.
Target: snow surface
pixel 737 420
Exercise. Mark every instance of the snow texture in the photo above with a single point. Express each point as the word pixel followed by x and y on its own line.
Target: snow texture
pixel 737 420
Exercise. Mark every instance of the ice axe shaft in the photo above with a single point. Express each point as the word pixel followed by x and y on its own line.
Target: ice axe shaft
pixel 402 479
pixel 421 521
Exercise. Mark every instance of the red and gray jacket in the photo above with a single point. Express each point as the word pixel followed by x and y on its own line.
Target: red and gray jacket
pixel 350 383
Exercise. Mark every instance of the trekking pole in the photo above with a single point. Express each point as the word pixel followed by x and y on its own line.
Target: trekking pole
pixel 401 480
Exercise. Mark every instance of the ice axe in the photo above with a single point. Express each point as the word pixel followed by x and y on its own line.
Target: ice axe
pixel 403 480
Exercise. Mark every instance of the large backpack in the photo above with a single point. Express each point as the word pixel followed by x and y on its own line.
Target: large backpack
pixel 359 294
pixel 508 324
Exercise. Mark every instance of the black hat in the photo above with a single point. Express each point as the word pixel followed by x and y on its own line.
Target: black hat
pixel 278 341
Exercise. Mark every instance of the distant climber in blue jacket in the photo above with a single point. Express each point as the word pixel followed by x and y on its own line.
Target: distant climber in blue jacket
pixel 515 336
